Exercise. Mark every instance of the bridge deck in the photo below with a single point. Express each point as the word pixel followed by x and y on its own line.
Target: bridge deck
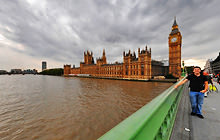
pixel 200 129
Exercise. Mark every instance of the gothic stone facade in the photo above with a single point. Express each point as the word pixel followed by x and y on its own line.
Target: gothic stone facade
pixel 132 67
pixel 216 65
pixel 175 41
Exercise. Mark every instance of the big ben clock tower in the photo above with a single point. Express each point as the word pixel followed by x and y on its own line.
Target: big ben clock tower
pixel 175 42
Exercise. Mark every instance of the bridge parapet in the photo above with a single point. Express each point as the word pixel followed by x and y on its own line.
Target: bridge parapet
pixel 154 121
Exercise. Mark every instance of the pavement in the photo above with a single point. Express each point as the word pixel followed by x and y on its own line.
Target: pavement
pixel 187 127
pixel 209 127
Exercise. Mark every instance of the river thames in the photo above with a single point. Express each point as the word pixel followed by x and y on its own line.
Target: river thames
pixel 59 108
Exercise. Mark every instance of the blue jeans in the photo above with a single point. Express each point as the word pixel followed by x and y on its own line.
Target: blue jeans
pixel 196 99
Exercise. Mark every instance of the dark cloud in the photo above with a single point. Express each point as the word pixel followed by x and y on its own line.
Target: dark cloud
pixel 63 30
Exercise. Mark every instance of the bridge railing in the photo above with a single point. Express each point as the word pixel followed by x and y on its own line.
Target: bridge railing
pixel 154 121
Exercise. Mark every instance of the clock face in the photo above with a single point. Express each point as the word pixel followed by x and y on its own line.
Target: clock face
pixel 174 39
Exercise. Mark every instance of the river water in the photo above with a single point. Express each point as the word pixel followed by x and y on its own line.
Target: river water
pixel 59 108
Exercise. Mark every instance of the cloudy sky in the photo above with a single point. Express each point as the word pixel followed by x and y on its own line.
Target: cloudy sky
pixel 59 31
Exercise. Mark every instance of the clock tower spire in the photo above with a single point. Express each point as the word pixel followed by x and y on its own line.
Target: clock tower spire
pixel 175 43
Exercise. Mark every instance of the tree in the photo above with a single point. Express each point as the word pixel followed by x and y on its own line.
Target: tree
pixel 56 72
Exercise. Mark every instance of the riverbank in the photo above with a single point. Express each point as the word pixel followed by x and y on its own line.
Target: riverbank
pixel 126 79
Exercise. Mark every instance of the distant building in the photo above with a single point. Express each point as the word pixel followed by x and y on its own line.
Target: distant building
pixel 207 67
pixel 165 62
pixel 29 71
pixel 16 71
pixel 133 67
pixel 44 65
pixel 216 65
pixel 3 72
pixel 159 68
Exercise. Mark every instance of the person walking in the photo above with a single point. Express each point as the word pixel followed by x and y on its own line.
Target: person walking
pixel 210 83
pixel 198 86
pixel 218 79
pixel 210 79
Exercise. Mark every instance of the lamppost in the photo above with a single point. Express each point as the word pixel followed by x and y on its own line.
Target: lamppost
pixel 183 72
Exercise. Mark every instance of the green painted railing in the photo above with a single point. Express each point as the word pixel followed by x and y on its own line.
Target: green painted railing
pixel 154 121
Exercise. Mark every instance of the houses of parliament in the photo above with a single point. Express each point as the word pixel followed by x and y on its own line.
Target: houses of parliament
pixel 133 67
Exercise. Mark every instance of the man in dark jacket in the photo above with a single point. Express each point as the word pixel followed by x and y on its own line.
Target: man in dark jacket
pixel 198 86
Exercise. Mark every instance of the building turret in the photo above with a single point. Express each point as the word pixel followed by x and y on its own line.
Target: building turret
pixel 103 54
pixel 101 61
pixel 88 58
pixel 134 54
pixel 175 28
pixel 104 57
